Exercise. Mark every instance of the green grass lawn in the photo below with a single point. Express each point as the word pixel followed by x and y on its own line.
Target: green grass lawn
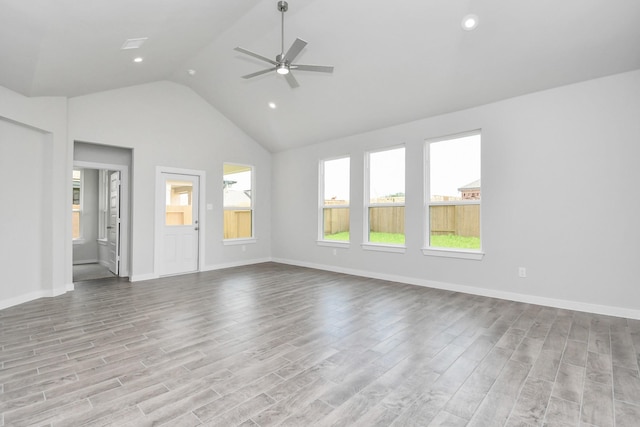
pixel 449 241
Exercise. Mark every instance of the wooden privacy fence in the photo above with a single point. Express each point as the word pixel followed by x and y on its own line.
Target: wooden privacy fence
pixel 336 220
pixel 237 224
pixel 459 220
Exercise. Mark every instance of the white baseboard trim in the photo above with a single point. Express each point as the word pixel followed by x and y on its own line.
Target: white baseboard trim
pixel 85 261
pixel 21 299
pixel 235 264
pixel 510 296
pixel 143 277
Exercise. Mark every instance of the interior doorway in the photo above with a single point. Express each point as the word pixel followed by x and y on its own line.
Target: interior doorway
pixel 101 216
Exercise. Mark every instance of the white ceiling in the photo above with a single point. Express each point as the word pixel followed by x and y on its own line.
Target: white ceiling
pixel 394 61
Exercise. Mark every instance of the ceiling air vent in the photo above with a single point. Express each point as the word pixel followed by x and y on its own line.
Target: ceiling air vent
pixel 133 43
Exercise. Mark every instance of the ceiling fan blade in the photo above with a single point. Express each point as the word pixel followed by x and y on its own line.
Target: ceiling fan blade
pixel 294 50
pixel 320 68
pixel 258 73
pixel 255 55
pixel 291 80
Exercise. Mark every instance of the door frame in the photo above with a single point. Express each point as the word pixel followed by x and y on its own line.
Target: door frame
pixel 159 214
pixel 125 213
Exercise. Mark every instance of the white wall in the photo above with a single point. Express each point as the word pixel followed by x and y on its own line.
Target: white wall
pixel 169 125
pixel 33 138
pixel 559 171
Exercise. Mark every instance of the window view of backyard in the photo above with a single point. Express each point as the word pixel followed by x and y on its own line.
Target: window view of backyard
pixel 76 208
pixel 335 179
pixel 454 193
pixel 386 196
pixel 237 201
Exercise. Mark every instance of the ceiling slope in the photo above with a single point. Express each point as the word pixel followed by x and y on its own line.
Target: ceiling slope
pixel 394 62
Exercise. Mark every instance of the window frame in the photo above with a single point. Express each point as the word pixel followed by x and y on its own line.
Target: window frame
pixel 322 206
pixel 367 244
pixel 251 208
pixel 437 251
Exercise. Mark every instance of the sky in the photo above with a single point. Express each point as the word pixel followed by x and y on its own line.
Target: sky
pixel 453 164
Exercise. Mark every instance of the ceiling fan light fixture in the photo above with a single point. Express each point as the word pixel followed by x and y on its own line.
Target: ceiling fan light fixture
pixel 282 69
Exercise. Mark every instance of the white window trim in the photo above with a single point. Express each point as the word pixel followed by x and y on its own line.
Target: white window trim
pixel 372 246
pixel 380 247
pixel 436 251
pixel 321 206
pixel 242 240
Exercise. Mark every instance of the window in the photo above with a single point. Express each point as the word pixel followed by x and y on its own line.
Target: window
pixel 179 202
pixel 76 204
pixel 385 202
pixel 238 201
pixel 454 193
pixel 103 203
pixel 334 199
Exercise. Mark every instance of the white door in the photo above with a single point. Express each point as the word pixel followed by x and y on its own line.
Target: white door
pixel 113 228
pixel 180 229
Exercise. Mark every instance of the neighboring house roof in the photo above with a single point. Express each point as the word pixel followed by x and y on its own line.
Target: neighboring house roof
pixel 475 185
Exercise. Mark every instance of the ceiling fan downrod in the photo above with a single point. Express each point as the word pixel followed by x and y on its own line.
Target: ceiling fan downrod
pixel 283 6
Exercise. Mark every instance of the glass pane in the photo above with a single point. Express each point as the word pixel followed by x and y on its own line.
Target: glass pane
pixel 455 226
pixel 75 215
pixel 336 181
pixel 386 176
pixel 237 186
pixel 336 224
pixel 237 224
pixel 179 203
pixel 386 225
pixel 454 169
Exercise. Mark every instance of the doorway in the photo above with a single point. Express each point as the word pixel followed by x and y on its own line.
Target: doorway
pixel 112 168
pixel 100 221
pixel 178 225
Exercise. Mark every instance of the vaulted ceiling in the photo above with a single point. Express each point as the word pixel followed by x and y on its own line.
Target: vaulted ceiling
pixel 394 61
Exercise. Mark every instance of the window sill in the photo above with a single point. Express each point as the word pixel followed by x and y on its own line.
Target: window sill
pixel 230 242
pixel 453 253
pixel 333 243
pixel 79 241
pixel 384 248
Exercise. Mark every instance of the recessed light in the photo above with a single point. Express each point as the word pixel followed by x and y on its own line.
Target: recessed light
pixel 138 59
pixel 469 22
pixel 191 72
pixel 272 105
pixel 133 43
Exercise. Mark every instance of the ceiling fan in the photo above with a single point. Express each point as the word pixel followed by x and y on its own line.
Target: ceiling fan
pixel 284 61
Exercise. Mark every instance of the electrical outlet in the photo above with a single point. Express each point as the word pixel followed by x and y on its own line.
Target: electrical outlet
pixel 335 252
pixel 244 248
pixel 522 272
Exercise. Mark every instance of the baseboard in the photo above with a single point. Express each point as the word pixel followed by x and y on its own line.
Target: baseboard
pixel 511 296
pixel 142 277
pixel 235 264
pixel 21 299
pixel 85 261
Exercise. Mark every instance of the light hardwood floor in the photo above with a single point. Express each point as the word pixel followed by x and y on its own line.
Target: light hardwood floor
pixel 271 344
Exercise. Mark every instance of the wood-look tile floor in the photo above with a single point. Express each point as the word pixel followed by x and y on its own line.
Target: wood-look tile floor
pixel 272 344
